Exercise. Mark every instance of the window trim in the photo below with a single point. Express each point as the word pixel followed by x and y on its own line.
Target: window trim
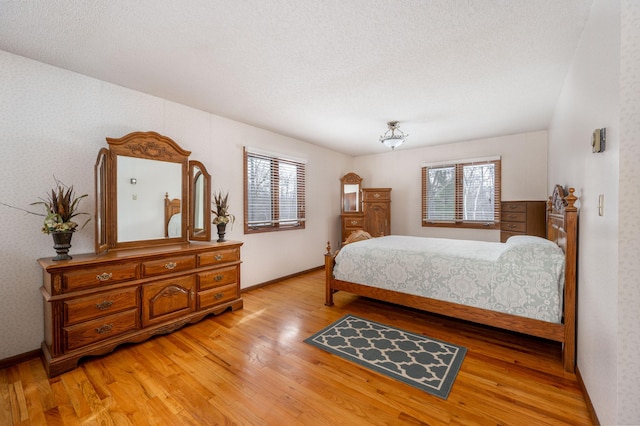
pixel 276 160
pixel 458 222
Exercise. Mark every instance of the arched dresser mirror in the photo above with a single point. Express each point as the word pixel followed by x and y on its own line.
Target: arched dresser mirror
pixel 155 268
pixel 351 190
pixel 149 193
pixel 351 215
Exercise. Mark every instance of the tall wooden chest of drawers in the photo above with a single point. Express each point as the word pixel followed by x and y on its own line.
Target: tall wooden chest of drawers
pixel 522 218
pixel 376 206
pixel 94 303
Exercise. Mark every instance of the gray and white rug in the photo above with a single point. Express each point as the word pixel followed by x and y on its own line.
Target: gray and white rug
pixel 428 364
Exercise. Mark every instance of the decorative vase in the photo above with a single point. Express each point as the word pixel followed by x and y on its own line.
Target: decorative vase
pixel 62 244
pixel 222 227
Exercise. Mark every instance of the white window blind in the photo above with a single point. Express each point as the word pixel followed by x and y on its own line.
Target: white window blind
pixel 461 193
pixel 274 192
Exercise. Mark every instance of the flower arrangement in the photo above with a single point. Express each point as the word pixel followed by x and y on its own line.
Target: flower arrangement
pixel 221 211
pixel 61 206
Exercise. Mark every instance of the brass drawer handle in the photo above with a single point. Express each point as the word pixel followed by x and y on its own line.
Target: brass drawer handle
pixel 104 329
pixel 170 265
pixel 354 222
pixel 218 277
pixel 218 296
pixel 512 207
pixel 105 276
pixel 376 195
pixel 105 304
pixel 219 257
pixel 511 226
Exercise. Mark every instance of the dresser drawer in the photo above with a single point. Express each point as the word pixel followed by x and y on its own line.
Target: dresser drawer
pixel 514 226
pixel 372 195
pixel 89 332
pixel 219 256
pixel 519 207
pixel 216 296
pixel 98 305
pixel 513 217
pixel 83 278
pixel 168 265
pixel 217 278
pixel 353 222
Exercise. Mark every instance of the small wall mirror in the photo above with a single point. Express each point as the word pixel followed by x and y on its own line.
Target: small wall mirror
pixel 350 192
pixel 149 193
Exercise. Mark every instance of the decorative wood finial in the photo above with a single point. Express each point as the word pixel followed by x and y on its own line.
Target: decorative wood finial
pixel 571 200
pixel 328 247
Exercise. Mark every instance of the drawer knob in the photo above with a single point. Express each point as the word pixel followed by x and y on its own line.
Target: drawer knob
pixel 104 329
pixel 105 276
pixel 105 304
pixel 218 296
pixel 170 265
pixel 218 277
pixel 219 257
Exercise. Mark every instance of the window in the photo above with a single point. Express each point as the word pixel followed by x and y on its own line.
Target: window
pixel 464 194
pixel 274 193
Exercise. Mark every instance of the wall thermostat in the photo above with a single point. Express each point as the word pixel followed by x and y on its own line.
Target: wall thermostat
pixel 598 140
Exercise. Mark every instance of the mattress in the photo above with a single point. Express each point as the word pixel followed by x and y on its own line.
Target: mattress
pixel 523 276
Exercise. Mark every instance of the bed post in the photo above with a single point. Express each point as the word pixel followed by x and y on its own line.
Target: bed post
pixel 570 292
pixel 328 275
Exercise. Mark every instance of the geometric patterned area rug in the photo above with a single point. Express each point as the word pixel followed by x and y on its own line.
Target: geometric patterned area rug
pixel 428 364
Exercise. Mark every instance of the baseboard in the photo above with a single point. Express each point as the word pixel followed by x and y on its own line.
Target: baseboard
pixel 592 411
pixel 286 277
pixel 17 359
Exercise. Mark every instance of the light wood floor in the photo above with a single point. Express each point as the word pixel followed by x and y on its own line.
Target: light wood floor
pixel 252 367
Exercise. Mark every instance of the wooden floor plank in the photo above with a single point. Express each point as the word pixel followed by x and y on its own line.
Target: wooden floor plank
pixel 252 367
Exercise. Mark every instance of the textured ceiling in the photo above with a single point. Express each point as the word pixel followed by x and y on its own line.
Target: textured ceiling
pixel 330 72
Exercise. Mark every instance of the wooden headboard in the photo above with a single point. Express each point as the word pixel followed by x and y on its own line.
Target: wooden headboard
pixel 171 207
pixel 558 206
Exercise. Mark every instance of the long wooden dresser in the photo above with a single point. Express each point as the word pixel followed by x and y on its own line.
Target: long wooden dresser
pixel 93 303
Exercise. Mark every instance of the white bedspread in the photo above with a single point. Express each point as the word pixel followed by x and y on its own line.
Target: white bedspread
pixel 524 276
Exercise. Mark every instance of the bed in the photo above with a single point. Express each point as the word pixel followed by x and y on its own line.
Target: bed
pixel 527 284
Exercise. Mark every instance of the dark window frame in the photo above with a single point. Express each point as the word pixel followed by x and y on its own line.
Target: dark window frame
pixel 273 222
pixel 458 221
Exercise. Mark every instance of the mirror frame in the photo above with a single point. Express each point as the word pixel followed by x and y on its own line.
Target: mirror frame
pixel 150 146
pixel 351 179
pixel 101 218
pixel 205 233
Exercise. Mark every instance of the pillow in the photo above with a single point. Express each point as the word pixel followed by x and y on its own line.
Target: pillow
pixel 358 235
pixel 535 249
pixel 528 239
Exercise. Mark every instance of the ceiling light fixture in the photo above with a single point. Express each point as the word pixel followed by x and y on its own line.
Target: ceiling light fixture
pixel 394 136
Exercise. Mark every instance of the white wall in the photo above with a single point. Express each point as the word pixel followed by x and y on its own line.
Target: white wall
pixel 524 177
pixel 53 122
pixel 590 99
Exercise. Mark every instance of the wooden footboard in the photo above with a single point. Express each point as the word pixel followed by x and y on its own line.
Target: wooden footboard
pixel 562 228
